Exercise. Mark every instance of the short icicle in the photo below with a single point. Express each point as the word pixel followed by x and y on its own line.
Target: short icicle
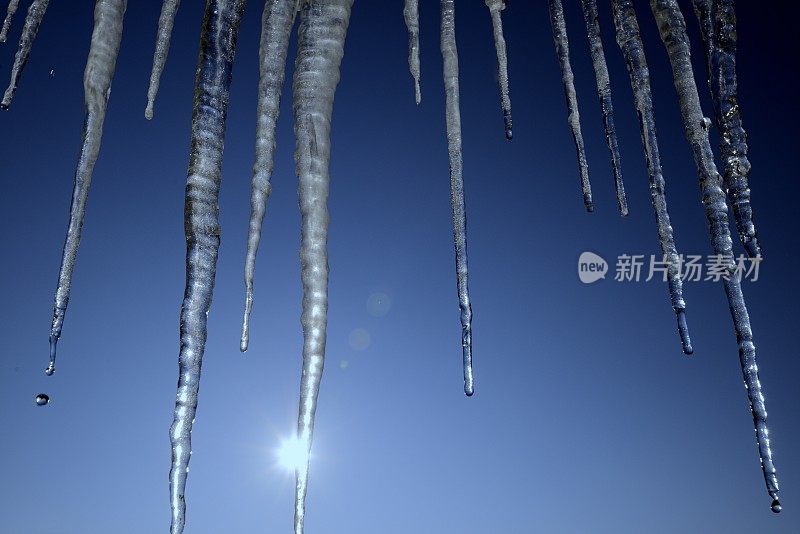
pixel 630 42
pixel 201 224
pixel 453 117
pixel 718 29
pixel 13 5
pixel 559 26
pixel 672 27
pixel 495 7
pixel 411 14
pixel 32 22
pixel 100 66
pixel 323 28
pixel 165 22
pixel 276 27
pixel 604 92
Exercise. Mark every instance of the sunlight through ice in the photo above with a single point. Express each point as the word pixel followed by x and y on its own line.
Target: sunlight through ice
pixel 292 454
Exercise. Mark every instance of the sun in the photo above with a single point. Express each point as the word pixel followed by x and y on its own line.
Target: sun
pixel 292 454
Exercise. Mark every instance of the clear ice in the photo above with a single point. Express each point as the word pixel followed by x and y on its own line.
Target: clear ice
pixel 276 27
pixel 630 43
pixel 323 28
pixel 165 22
pixel 495 7
pixel 604 91
pixel 672 28
pixel 201 224
pixel 453 117
pixel 100 66
pixel 559 26
pixel 32 22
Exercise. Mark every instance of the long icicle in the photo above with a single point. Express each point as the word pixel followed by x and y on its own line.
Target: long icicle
pixel 201 224
pixel 718 29
pixel 411 14
pixel 630 42
pixel 32 22
pixel 453 116
pixel 495 7
pixel 672 27
pixel 559 26
pixel 165 23
pixel 323 28
pixel 100 66
pixel 276 26
pixel 604 91
pixel 13 5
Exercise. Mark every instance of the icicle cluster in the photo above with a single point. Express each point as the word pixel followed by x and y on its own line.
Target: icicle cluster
pixel 630 43
pixel 604 91
pixel 495 7
pixel 32 22
pixel 276 27
pixel 568 79
pixel 672 28
pixel 165 22
pixel 103 51
pixel 323 27
pixel 411 15
pixel 13 5
pixel 453 117
pixel 201 223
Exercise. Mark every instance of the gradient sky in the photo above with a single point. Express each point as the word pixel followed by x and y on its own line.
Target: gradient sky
pixel 586 417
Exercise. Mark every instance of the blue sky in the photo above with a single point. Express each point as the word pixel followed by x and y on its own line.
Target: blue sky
pixel 586 417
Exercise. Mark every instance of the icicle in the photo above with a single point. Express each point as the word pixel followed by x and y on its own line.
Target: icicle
pixel 562 51
pixel 453 116
pixel 32 21
pixel 495 7
pixel 604 91
pixel 100 66
pixel 276 26
pixel 672 27
pixel 12 8
pixel 323 28
pixel 630 42
pixel 718 28
pixel 165 22
pixel 411 14
pixel 201 224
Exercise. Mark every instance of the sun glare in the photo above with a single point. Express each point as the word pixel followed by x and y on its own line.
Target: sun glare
pixel 292 454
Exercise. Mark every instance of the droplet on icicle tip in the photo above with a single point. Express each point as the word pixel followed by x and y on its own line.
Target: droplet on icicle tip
pixel 51 368
pixel 776 506
pixel 42 399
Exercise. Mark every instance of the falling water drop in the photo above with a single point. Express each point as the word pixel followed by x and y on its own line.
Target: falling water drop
pixel 42 399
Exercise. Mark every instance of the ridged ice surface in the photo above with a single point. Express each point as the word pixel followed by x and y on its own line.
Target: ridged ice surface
pixel 559 26
pixel 453 117
pixel 100 66
pixel 32 22
pixel 165 22
pixel 201 224
pixel 718 28
pixel 604 91
pixel 672 28
pixel 323 28
pixel 276 27
pixel 630 42
pixel 411 15
pixel 495 7
pixel 13 5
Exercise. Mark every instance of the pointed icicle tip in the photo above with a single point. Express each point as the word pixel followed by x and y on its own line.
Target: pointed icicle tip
pixel 683 330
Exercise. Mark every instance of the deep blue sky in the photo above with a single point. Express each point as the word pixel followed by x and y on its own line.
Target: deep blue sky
pixel 586 416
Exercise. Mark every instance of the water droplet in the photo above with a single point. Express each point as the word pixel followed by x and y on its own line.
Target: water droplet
pixel 51 368
pixel 776 506
pixel 42 399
